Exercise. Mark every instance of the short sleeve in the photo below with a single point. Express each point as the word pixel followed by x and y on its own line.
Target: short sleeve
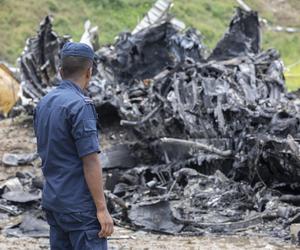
pixel 35 121
pixel 84 130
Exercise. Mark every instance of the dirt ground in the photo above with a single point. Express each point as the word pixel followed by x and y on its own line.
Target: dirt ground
pixel 17 136
pixel 147 241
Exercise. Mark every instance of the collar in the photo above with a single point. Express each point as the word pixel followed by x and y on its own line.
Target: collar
pixel 71 84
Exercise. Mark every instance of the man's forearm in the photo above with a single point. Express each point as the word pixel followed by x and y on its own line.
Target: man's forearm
pixel 93 176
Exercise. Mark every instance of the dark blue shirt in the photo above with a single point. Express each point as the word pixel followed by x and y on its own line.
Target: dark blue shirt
pixel 65 125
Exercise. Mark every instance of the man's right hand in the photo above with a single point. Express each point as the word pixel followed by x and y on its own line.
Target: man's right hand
pixel 93 176
pixel 106 222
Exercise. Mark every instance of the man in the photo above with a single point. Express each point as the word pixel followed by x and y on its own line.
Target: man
pixel 67 141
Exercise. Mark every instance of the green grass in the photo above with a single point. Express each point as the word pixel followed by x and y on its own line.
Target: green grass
pixel 19 20
pixel 293 77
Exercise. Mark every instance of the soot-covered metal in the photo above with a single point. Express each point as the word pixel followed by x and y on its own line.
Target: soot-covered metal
pixel 192 143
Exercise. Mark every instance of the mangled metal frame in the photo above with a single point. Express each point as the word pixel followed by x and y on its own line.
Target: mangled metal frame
pixel 209 144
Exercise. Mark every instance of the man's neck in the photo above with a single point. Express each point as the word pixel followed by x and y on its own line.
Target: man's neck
pixel 78 82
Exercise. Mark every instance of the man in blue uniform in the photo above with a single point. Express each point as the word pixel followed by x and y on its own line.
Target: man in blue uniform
pixel 67 141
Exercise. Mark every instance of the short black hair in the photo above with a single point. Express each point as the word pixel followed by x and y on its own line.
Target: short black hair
pixel 74 66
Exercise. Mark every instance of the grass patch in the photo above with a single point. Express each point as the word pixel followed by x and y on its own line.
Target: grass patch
pixel 292 77
pixel 19 20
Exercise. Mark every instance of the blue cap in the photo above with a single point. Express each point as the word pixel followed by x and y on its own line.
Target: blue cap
pixel 78 50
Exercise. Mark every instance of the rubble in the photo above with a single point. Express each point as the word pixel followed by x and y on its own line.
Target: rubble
pixel 20 199
pixel 13 159
pixel 21 196
pixel 90 35
pixel 194 144
pixel 29 226
pixel 40 61
pixel 158 14
pixel 295 233
pixel 242 38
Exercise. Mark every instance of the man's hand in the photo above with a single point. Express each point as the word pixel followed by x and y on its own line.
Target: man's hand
pixel 106 222
pixel 93 176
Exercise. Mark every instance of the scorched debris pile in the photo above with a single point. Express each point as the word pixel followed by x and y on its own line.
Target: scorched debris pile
pixel 191 143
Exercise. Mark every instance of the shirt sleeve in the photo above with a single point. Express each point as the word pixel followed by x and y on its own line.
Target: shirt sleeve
pixel 35 121
pixel 84 130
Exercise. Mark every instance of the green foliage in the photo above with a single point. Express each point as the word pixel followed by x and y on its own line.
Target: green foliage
pixel 292 76
pixel 19 20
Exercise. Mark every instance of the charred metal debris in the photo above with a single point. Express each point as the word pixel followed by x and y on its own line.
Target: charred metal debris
pixel 192 143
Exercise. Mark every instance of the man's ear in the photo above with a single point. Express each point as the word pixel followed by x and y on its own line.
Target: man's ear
pixel 88 76
pixel 89 73
pixel 61 72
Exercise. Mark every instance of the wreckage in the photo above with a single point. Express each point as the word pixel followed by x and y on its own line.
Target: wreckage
pixel 191 143
pixel 9 88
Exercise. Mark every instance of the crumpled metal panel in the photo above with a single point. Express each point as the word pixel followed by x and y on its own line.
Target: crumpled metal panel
pixel 214 142
pixel 242 38
pixel 40 61
pixel 155 216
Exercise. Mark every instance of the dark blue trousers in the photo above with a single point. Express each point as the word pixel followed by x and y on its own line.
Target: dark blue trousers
pixel 75 231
